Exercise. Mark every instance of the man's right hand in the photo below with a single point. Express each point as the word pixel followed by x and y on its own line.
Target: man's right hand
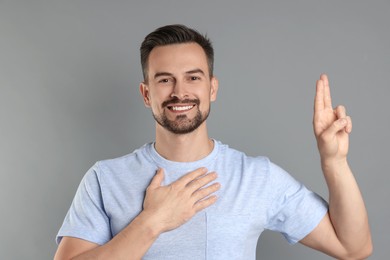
pixel 165 208
pixel 172 205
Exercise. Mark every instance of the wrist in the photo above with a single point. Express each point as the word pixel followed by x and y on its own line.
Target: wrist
pixel 149 224
pixel 333 164
pixel 337 174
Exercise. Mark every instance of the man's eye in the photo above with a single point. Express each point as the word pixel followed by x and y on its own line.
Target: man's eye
pixel 194 78
pixel 164 80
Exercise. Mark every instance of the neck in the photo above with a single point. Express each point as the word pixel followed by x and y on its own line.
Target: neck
pixel 183 147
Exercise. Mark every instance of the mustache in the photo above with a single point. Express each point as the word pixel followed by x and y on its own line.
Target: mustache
pixel 176 100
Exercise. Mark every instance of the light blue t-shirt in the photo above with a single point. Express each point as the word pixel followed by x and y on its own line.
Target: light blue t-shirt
pixel 255 195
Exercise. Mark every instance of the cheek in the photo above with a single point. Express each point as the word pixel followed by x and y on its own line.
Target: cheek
pixel 154 98
pixel 156 105
pixel 205 103
pixel 160 96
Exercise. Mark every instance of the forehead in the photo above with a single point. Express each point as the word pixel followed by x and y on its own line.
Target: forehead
pixel 177 58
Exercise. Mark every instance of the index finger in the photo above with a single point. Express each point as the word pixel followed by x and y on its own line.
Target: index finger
pixel 319 98
pixel 327 96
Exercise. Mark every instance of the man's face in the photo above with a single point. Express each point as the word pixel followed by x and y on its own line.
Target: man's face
pixel 179 88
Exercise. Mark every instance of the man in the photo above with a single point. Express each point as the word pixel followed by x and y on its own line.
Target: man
pixel 186 196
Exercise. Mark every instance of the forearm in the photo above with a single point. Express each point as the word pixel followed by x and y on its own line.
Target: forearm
pixel 346 206
pixel 131 243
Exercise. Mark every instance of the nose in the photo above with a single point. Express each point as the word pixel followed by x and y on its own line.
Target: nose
pixel 179 90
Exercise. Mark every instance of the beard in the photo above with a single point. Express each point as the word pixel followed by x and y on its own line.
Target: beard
pixel 181 124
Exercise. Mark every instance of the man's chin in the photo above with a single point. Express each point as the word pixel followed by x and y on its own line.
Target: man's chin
pixel 182 129
pixel 181 124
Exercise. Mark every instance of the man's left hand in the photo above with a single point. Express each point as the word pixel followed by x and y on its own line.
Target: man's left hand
pixel 331 126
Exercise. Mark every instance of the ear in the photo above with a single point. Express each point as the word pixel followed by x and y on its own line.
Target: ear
pixel 144 90
pixel 214 89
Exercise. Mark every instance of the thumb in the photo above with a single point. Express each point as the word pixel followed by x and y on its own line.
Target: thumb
pixel 157 179
pixel 337 126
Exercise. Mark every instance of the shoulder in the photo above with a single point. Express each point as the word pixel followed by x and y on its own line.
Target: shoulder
pixel 109 170
pixel 255 164
pixel 135 158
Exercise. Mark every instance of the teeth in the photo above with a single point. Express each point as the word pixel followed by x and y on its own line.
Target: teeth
pixel 182 108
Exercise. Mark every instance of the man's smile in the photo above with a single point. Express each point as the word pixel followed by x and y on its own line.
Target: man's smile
pixel 181 108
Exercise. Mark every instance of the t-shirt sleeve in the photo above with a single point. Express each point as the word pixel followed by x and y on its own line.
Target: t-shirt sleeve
pixel 295 210
pixel 86 218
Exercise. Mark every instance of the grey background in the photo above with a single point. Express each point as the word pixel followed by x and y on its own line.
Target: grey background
pixel 69 76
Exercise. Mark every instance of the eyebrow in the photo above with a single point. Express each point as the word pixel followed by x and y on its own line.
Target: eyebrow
pixel 194 71
pixel 159 74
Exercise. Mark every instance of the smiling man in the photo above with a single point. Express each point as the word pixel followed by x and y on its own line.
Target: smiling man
pixel 179 113
pixel 187 196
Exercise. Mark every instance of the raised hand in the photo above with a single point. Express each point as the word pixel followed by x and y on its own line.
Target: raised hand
pixel 174 204
pixel 331 126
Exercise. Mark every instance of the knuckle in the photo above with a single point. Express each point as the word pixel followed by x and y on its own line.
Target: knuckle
pixel 174 187
pixel 194 184
pixel 202 193
pixel 341 109
pixel 198 182
pixel 210 177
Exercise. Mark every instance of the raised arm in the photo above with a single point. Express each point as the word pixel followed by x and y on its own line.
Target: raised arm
pixel 344 232
pixel 165 208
